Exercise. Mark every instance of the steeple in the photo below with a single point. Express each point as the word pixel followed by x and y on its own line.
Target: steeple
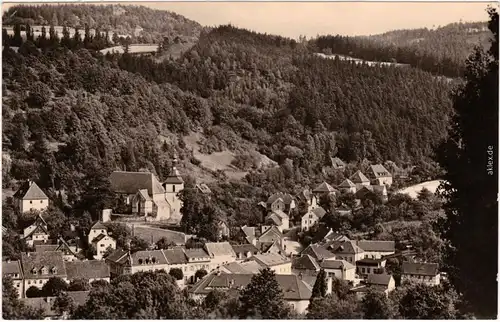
pixel 174 177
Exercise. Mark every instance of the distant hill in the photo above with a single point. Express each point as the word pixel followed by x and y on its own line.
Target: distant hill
pixel 442 51
pixel 142 24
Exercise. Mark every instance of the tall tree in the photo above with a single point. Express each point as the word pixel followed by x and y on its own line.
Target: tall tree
pixel 320 286
pixel 375 305
pixel 470 158
pixel 12 307
pixel 263 298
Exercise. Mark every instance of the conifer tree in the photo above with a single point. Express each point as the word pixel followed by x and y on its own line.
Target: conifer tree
pixel 320 286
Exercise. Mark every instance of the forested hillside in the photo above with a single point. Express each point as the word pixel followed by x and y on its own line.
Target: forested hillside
pixel 442 51
pixel 155 24
pixel 72 115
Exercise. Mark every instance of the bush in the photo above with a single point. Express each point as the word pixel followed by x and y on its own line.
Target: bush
pixel 176 273
pixel 33 291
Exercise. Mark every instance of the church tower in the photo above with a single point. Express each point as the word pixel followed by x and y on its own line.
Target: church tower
pixel 173 185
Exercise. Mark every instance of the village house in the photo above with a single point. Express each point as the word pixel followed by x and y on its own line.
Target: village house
pixel 249 234
pixel 245 251
pixel 346 250
pixel 220 254
pixel 306 196
pixel 91 270
pixel 317 252
pixel 305 265
pixel 14 270
pixel 270 239
pixel 118 262
pixel 324 189
pixel 143 261
pixel 31 197
pixel 97 229
pixel 46 304
pixel 38 268
pixel 379 175
pixel 366 192
pixel 311 218
pixel 36 233
pixel 427 273
pixel 282 201
pixel 359 179
pixel 70 253
pixel 382 282
pixel 197 259
pixel 146 196
pixel 296 292
pixel 203 188
pixel 377 248
pixel 276 262
pixel 366 266
pixel 102 244
pixel 339 269
pixel 337 163
pixel 347 186
pixel 250 267
pixel 279 219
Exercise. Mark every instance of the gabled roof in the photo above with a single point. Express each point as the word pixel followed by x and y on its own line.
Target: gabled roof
pixel 88 269
pixel 99 225
pixel 144 194
pixel 345 247
pixel 293 288
pixel 377 245
pixel 319 212
pixel 130 183
pixel 203 188
pixel 336 264
pixel 286 197
pixel 118 256
pixel 305 262
pixel 38 229
pixel 273 232
pixel 427 269
pixel 280 214
pixel 220 249
pixel 324 188
pixel 270 259
pixel 249 231
pixel 359 177
pixel 378 171
pixel 337 163
pixel 196 253
pixel 379 279
pixel 317 252
pixel 347 184
pixel 245 248
pixel 150 257
pixel 30 191
pixel 375 262
pixel 176 256
pixel 267 247
pixel 251 267
pixel 48 260
pixel 12 267
pixel 174 178
pixel 274 219
pixel 235 268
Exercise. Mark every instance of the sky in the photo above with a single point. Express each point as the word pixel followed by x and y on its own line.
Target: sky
pixel 292 19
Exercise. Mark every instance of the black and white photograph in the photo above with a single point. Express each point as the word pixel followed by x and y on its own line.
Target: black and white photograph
pixel 249 160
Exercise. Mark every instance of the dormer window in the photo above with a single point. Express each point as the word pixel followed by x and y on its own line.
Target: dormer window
pixel 140 261
pixel 153 260
pixel 34 271
pixel 54 270
pixel 44 270
pixel 147 261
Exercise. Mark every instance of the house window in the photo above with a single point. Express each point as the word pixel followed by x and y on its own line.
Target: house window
pixel 173 188
pixel 102 245
pixel 362 269
pixel 41 201
pixel 40 282
pixel 31 201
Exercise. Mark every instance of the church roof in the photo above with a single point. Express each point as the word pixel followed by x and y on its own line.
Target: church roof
pixel 124 182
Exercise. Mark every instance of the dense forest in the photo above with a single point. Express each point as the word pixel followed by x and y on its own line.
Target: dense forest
pixel 441 51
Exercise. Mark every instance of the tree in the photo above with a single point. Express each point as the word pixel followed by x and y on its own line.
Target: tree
pixel 375 305
pixel 263 298
pixel 137 244
pixel 63 304
pixel 176 273
pixel 79 284
pixel 164 243
pixel 33 291
pixel 320 286
pixel 469 156
pixel 331 307
pixel 200 274
pixel 54 286
pixel 12 307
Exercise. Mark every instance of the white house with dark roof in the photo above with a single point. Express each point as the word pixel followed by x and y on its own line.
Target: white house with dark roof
pixel 245 251
pixel 36 233
pixel 347 186
pixel 366 266
pixel 379 175
pixel 38 268
pixel 286 204
pixel 31 197
pixel 13 269
pixel 102 243
pixel 312 217
pixel 346 250
pixel 365 192
pixel 377 248
pixel 276 262
pixel 279 219
pixel 359 179
pixel 220 253
pixel 381 282
pixel 427 273
pixel 339 269
pixel 324 189
pixel 317 252
pixel 97 229
pixel 296 292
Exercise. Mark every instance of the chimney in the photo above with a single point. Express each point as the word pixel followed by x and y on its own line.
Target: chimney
pixel 30 182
